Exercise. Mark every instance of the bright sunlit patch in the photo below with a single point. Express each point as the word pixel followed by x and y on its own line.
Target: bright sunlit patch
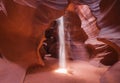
pixel 61 70
pixel 62 58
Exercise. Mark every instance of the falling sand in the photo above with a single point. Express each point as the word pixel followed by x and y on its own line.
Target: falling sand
pixel 62 57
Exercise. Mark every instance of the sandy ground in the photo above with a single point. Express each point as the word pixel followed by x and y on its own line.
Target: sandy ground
pixel 78 72
pixel 10 72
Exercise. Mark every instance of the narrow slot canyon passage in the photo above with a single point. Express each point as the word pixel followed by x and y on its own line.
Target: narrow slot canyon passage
pixel 59 41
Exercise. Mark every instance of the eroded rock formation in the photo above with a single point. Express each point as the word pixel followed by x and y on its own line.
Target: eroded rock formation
pixel 99 51
pixel 22 27
pixel 23 23
pixel 75 35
